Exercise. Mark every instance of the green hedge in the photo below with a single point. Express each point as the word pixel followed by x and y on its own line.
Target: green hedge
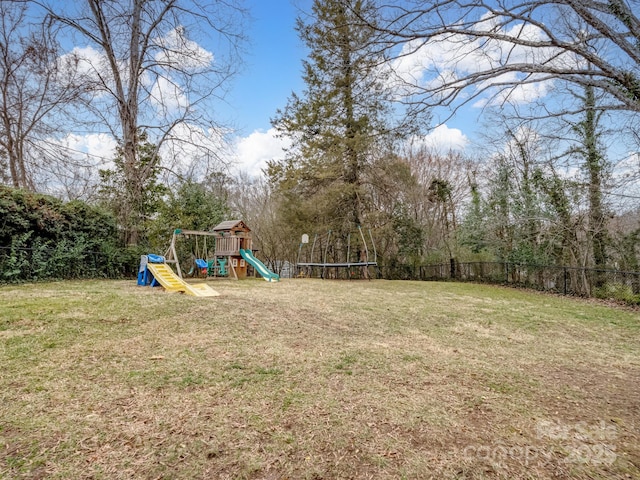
pixel 42 237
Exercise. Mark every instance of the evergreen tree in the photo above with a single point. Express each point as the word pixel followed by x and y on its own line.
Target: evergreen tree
pixel 473 231
pixel 513 212
pixel 133 196
pixel 191 206
pixel 340 124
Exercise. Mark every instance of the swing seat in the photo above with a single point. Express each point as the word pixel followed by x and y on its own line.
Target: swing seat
pixel 221 268
pixel 202 266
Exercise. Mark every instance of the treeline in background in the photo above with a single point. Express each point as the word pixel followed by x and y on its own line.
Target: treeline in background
pixel 552 178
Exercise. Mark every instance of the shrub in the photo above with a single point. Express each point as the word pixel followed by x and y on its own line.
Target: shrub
pixel 42 237
pixel 619 292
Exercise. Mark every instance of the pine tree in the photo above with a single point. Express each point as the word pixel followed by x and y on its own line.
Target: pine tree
pixel 134 196
pixel 339 124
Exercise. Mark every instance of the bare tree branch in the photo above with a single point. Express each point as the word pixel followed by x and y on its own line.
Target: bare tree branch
pixel 149 75
pixel 463 51
pixel 34 86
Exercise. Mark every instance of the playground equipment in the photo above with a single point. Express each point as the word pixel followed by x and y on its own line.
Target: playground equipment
pixel 233 240
pixel 222 262
pixel 231 256
pixel 153 271
pixel 200 264
pixel 267 274
pixel 338 253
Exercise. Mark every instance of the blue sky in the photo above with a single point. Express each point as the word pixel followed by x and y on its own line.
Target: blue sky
pixel 272 67
pixel 269 72
pixel 272 71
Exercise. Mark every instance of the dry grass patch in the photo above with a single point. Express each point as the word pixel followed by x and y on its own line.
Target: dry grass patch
pixel 315 380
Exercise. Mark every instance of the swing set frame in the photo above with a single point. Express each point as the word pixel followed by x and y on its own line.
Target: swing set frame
pixel 171 255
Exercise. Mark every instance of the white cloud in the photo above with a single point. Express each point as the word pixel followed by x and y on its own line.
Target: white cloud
pixel 168 96
pixel 78 158
pixel 512 88
pixel 444 61
pixel 98 147
pixel 627 174
pixel 193 152
pixel 253 152
pixel 85 60
pixel 178 52
pixel 84 64
pixel 190 152
pixel 443 139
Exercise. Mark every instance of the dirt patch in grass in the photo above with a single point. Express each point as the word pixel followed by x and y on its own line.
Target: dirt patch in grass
pixel 315 380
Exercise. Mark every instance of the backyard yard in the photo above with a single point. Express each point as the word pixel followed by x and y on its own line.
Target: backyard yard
pixel 312 379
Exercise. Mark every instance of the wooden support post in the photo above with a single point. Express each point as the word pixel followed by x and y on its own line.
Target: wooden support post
pixel 170 256
pixel 235 275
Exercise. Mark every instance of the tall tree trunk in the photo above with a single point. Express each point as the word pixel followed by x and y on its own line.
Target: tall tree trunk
pixel 594 164
pixel 352 167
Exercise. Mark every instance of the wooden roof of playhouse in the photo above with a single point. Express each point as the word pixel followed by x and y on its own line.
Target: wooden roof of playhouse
pixel 231 225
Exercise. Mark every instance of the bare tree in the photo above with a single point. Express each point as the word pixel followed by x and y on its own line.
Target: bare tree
pixel 255 201
pixel 34 86
pixel 595 165
pixel 513 54
pixel 450 52
pixel 150 73
pixel 442 188
pixel 417 196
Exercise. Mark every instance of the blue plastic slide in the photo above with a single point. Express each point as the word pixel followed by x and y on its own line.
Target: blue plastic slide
pixel 267 274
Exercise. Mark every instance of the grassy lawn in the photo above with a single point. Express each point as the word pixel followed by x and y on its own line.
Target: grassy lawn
pixel 311 379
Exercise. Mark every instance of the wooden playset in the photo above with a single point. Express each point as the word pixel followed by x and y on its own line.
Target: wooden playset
pixel 232 254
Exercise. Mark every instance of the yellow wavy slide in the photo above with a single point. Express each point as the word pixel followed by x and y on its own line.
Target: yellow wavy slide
pixel 173 283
